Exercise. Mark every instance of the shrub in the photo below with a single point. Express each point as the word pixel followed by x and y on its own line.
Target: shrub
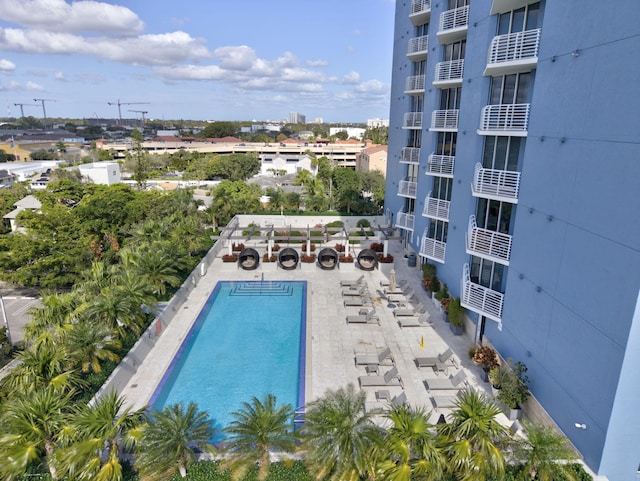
pixel 428 271
pixel 442 293
pixel 340 248
pixel 487 357
pixel 335 223
pixel 385 260
pixel 266 258
pixel 308 258
pixel 514 388
pixel 346 259
pixel 377 247
pixel 304 247
pixel 237 247
pixel 275 248
pixel 363 223
pixel 230 258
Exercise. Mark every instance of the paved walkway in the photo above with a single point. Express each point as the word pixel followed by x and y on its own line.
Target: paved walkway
pixel 332 343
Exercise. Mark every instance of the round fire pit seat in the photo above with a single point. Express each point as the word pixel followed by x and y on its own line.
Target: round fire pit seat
pixel 249 259
pixel 288 258
pixel 327 259
pixel 367 259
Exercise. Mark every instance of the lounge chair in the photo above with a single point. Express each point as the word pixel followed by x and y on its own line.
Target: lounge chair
pixel 398 400
pixel 415 321
pixel 352 283
pixel 390 378
pixel 432 361
pixel 385 283
pixel 354 301
pixel 380 358
pixel 368 318
pixel 398 290
pixel 415 311
pixel 354 292
pixel 450 401
pixel 449 383
pixel 403 298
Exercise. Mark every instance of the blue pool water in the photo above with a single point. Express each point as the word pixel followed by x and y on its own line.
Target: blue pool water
pixel 249 340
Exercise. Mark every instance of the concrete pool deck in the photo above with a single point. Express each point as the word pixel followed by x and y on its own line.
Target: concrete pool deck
pixel 331 342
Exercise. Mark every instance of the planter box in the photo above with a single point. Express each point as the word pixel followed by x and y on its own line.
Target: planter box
pixel 457 330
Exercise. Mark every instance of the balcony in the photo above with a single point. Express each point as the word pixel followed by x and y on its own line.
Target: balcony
pixel 488 244
pixel 404 221
pixel 449 74
pixel 505 119
pixel 503 6
pixel 407 188
pixel 513 53
pixel 412 120
pixel 444 120
pixel 453 25
pixel 420 12
pixel 502 185
pixel 414 85
pixel 433 249
pixel 418 47
pixel 440 165
pixel 480 299
pixel 437 209
pixel 410 155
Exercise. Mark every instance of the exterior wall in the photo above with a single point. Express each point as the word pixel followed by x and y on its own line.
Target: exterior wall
pixel 574 231
pixel 281 163
pixel 106 173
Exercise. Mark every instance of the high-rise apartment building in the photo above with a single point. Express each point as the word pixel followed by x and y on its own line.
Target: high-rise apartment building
pixel 514 165
pixel 297 118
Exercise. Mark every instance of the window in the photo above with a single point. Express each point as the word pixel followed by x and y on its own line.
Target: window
pixel 455 51
pixel 487 273
pixel 510 89
pixel 438 230
pixel 450 98
pixel 525 18
pixel 494 215
pixel 446 143
pixel 501 153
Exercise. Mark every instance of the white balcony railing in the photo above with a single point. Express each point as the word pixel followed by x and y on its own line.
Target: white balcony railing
pixel 433 249
pixel 444 120
pixel 513 52
pixel 506 119
pixel 436 208
pixel 420 11
pixel 410 155
pixel 412 120
pixel 404 221
pixel 407 188
pixel 415 83
pixel 480 299
pixel 488 244
pixel 449 74
pixel 418 47
pixel 453 24
pixel 496 184
pixel 440 165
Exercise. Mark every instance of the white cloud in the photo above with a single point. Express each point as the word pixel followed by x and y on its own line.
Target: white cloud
pixel 59 76
pixel 6 65
pixel 317 63
pixel 13 85
pixel 79 16
pixel 351 78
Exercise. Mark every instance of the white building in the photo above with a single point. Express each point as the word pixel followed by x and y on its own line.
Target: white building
pixel 106 173
pixel 352 132
pixel 282 164
pixel 375 123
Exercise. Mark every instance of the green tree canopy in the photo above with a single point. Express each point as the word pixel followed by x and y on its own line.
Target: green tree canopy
pixel 217 130
pixel 230 198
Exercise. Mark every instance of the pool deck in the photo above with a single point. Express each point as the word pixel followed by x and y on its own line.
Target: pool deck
pixel 331 342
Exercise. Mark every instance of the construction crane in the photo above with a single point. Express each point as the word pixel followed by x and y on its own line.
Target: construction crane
pixel 23 105
pixel 44 111
pixel 142 113
pixel 118 103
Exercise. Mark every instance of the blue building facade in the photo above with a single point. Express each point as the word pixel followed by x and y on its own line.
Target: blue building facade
pixel 514 165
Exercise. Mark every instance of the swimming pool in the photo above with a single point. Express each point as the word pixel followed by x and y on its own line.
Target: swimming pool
pixel 248 340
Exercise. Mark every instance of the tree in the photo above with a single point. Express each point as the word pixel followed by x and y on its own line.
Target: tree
pixel 347 186
pixel 89 343
pixel 159 265
pixel 97 433
pixel 338 436
pixel 218 130
pixel 236 166
pixel 473 437
pixel 410 449
pixel 140 158
pixel 543 454
pixel 169 439
pixel 373 181
pixel 32 429
pixel 257 428
pixel 230 198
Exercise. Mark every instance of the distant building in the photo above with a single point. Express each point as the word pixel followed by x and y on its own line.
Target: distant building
pixel 318 120
pixel 297 118
pixel 106 173
pixel 282 164
pixel 6 179
pixel 26 203
pixel 373 157
pixel 375 123
pixel 352 132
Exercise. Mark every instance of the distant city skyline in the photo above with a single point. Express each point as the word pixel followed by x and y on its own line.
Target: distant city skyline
pixel 204 61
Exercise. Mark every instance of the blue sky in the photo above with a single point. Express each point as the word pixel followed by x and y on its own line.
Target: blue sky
pixel 198 59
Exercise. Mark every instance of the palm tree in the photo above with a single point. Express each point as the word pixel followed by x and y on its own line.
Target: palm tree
pixel 259 427
pixel 410 450
pixel 543 454
pixel 32 428
pixel 158 265
pixel 98 430
pixel 48 323
pixel 89 343
pixel 339 437
pixel 169 440
pixel 473 437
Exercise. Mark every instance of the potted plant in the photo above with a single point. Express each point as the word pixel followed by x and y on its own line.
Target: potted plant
pixel 487 358
pixel 237 247
pixel 230 258
pixel 345 259
pixel 340 248
pixel 308 258
pixel 456 316
pixel 514 390
pixel 497 377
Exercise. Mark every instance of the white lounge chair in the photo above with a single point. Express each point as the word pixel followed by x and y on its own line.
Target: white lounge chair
pixel 354 301
pixel 411 311
pixel 390 378
pixel 449 401
pixel 380 358
pixel 353 283
pixel 354 292
pixel 432 361
pixel 378 406
pixel 451 383
pixel 368 318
